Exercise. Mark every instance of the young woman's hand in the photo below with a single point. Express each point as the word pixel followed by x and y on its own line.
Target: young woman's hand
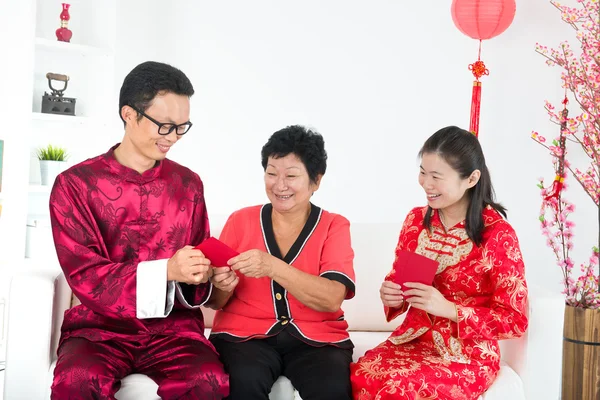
pixel 429 299
pixel 391 294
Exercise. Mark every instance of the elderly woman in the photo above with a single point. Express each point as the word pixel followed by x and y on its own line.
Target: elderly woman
pixel 281 312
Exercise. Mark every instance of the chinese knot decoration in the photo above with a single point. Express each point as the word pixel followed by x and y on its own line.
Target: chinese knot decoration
pixel 559 179
pixel 481 20
pixel 64 34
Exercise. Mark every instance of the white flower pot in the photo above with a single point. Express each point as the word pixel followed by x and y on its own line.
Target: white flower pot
pixel 49 170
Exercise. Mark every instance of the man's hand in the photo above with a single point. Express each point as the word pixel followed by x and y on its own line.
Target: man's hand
pixel 189 266
pixel 224 279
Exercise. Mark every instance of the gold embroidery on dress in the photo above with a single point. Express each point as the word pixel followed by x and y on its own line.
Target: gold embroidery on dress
pixel 468 375
pixel 465 313
pixel 452 353
pixel 364 395
pixel 407 336
pixel 373 368
pixel 446 249
pixel 488 374
pixel 488 351
pixel 458 393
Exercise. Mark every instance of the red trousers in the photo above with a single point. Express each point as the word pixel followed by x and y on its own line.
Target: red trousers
pixel 183 368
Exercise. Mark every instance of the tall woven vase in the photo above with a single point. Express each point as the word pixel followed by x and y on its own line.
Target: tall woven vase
pixel 581 354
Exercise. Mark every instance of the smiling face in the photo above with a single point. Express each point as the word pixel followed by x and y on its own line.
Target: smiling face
pixel 142 146
pixel 444 187
pixel 287 184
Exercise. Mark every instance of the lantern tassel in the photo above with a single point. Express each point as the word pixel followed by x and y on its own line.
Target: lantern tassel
pixel 475 108
pixel 478 69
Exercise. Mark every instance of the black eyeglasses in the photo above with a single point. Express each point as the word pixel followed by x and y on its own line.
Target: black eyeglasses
pixel 165 128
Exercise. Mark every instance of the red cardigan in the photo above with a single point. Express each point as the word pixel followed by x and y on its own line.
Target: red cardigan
pixel 261 307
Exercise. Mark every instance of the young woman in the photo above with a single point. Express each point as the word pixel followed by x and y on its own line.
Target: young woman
pixel 447 346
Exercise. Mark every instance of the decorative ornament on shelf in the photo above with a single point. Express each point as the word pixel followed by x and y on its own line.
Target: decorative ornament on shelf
pixel 64 34
pixel 55 102
pixel 481 20
pixel 53 161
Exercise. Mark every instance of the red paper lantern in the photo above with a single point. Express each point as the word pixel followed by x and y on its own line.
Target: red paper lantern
pixel 481 20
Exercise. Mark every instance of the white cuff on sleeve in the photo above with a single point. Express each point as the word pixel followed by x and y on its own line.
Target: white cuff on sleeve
pixel 170 297
pixel 185 303
pixel 154 295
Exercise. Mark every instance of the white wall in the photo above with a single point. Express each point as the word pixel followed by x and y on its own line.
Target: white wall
pixel 376 79
pixel 143 33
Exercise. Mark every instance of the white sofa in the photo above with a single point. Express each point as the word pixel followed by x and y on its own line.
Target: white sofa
pixel 531 365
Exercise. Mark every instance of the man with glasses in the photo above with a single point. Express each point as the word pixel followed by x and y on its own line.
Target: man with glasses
pixel 124 224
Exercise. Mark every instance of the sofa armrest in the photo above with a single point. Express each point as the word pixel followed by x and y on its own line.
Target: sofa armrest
pixel 37 301
pixel 537 356
pixel 63 296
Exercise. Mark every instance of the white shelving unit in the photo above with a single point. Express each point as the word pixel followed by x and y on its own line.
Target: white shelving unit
pixel 39 189
pixel 43 44
pixel 89 62
pixel 38 116
pixel 28 38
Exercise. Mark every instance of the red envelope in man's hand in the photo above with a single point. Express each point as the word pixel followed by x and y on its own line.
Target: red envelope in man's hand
pixel 413 267
pixel 216 251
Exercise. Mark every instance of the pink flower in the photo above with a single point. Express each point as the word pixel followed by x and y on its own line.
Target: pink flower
pixel 569 224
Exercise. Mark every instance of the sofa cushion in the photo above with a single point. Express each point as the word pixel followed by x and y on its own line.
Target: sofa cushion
pixel 508 384
pixel 364 341
pixel 374 246
pixel 137 386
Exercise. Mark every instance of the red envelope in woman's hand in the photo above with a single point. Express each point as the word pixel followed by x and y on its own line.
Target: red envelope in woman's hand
pixel 216 251
pixel 413 267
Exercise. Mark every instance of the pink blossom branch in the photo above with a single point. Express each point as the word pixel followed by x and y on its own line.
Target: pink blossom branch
pixel 581 183
pixel 561 10
pixel 581 76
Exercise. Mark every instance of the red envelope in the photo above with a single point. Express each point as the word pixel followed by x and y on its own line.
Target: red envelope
pixel 216 251
pixel 413 267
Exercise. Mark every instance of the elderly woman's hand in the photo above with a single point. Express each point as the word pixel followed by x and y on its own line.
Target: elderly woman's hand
pixel 391 294
pixel 224 279
pixel 429 299
pixel 254 264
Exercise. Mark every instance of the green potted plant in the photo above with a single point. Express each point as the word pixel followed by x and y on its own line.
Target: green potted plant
pixel 52 162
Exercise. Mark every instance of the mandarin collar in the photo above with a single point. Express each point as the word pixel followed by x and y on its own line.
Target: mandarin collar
pixel 130 174
pixel 436 220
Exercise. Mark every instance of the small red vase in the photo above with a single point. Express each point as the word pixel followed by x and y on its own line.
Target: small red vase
pixel 63 33
pixel 64 15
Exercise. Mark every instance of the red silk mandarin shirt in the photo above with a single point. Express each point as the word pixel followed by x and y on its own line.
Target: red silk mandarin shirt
pixel 108 221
